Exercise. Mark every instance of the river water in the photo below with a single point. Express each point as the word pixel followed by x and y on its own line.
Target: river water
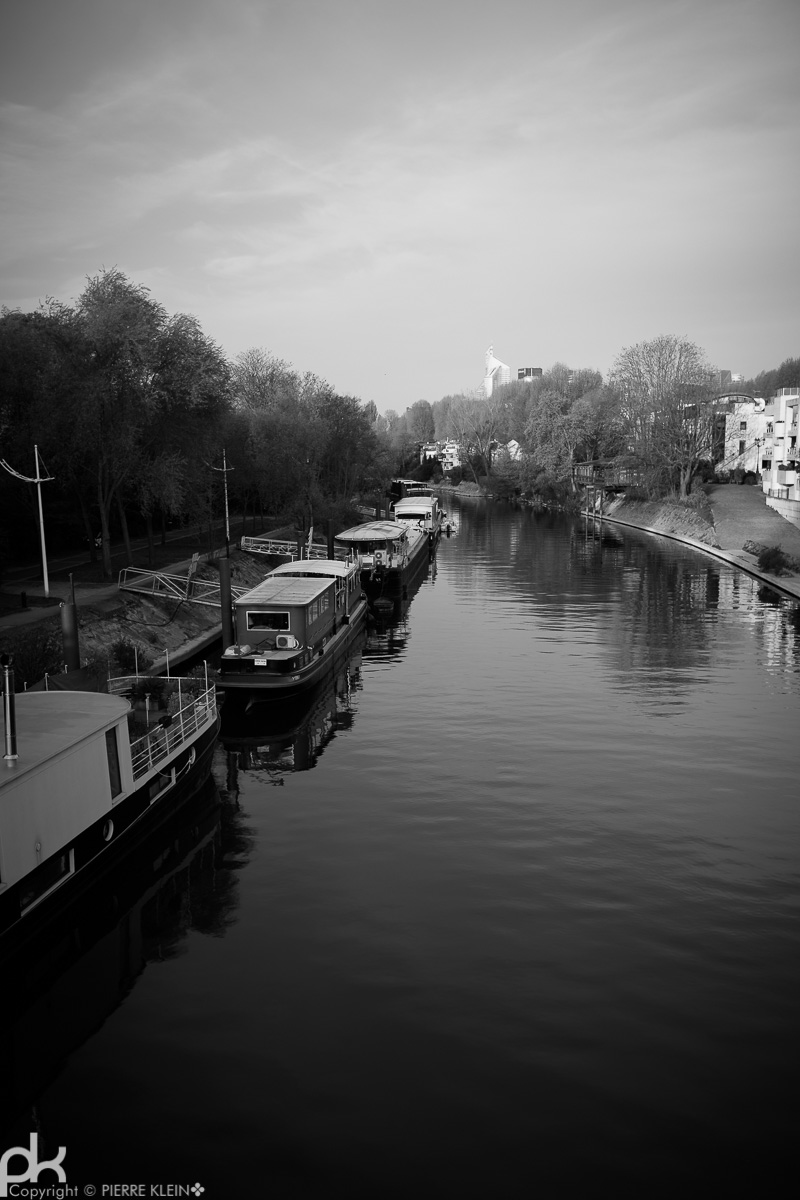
pixel 511 910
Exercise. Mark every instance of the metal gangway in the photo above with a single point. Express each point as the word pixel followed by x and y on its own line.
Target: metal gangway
pixel 283 548
pixel 174 587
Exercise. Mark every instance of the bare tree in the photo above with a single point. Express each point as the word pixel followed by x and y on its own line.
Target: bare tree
pixel 477 422
pixel 666 395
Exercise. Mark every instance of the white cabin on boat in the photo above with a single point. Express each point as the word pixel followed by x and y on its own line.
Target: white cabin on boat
pixel 420 512
pixel 74 764
pixel 378 544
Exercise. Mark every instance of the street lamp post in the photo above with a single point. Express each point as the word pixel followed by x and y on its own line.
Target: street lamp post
pixel 38 479
pixel 224 469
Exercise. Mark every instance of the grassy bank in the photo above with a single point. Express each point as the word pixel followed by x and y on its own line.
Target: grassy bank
pixel 693 520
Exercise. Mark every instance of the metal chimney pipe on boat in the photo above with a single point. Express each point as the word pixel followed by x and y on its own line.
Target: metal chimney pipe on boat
pixel 9 710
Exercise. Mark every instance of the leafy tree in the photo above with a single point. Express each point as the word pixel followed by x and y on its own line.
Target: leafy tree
pixel 28 373
pixel 788 374
pixel 568 419
pixel 349 445
pixel 421 425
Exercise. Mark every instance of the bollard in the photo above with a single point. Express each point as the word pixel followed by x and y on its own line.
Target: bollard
pixel 69 636
pixel 9 710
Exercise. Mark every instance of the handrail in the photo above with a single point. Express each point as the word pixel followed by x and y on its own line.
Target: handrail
pixel 161 742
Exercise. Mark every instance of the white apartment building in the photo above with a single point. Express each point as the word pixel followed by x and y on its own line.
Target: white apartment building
pixel 744 433
pixel 761 436
pixel 780 457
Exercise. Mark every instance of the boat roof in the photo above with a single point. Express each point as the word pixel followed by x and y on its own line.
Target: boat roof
pixel 285 590
pixel 421 501
pixel 49 723
pixel 309 567
pixel 373 531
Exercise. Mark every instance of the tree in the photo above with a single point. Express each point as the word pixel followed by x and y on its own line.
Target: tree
pixel 477 423
pixel 665 388
pixel 188 402
pixel 421 425
pixel 566 422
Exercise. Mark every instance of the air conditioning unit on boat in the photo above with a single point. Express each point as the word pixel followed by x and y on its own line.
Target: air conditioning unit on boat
pixel 286 641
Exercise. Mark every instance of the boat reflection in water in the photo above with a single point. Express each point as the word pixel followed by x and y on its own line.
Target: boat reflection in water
pixel 69 977
pixel 389 630
pixel 283 736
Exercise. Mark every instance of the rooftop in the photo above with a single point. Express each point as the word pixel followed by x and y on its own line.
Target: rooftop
pixel 50 723
pixel 285 589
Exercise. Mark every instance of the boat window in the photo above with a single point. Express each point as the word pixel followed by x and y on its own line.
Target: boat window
pixel 162 781
pixel 257 619
pixel 317 607
pixel 112 752
pixel 45 878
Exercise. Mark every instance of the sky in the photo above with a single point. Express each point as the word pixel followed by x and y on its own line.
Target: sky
pixel 377 192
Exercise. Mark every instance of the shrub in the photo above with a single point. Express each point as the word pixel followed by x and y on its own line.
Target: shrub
pixel 773 560
pixel 124 657
pixel 37 653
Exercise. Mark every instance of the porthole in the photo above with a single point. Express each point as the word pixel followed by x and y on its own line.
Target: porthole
pixel 108 831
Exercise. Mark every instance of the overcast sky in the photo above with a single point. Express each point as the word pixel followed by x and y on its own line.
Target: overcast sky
pixel 378 191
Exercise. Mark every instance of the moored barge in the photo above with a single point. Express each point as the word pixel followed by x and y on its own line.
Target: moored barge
pixel 395 551
pixel 76 783
pixel 291 627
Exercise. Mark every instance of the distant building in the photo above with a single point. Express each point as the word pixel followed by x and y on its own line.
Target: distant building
pixel 527 374
pixel 447 452
pixel 497 373
pixel 451 455
pixel 512 450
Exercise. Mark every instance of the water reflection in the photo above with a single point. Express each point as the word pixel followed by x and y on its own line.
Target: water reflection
pixel 278 737
pixel 389 631
pixel 655 604
pixel 70 975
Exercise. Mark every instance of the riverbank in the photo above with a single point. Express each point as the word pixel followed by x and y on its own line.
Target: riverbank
pixel 157 628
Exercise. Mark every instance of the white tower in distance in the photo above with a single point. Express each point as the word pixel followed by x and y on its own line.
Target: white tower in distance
pixel 496 372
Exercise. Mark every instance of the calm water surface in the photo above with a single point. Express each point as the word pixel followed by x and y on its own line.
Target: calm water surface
pixel 512 909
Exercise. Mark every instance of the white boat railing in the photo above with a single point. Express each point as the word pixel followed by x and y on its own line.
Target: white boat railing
pixel 197 710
